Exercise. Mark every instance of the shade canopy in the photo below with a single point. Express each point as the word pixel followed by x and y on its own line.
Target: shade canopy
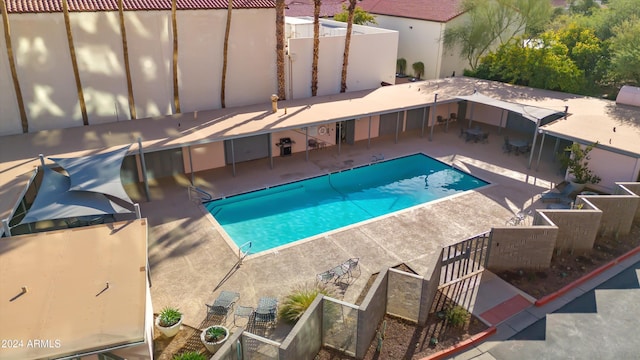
pixel 97 173
pixel 55 201
pixel 532 113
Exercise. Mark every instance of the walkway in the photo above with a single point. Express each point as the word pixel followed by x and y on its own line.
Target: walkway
pixel 595 320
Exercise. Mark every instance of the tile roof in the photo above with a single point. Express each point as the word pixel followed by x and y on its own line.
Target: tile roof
pixel 430 10
pixel 305 7
pixel 40 6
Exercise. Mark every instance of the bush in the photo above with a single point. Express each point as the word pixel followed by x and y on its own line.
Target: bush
pixel 191 355
pixel 215 334
pixel 457 316
pixel 169 316
pixel 296 303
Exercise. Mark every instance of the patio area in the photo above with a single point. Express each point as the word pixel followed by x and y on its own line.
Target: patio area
pixel 192 262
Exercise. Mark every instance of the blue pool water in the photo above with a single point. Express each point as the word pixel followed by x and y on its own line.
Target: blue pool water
pixel 283 214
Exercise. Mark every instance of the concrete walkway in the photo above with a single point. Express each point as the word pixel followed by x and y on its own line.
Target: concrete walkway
pixel 595 320
pixel 192 261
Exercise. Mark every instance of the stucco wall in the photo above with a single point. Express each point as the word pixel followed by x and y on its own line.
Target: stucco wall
pixel 10 115
pixel 486 114
pixel 368 66
pixel 522 247
pixel 362 128
pixel 96 37
pixel 612 167
pixel 305 339
pixel 48 84
pixel 44 70
pixel 204 157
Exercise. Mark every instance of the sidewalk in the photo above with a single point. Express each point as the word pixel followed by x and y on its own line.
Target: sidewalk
pixel 519 311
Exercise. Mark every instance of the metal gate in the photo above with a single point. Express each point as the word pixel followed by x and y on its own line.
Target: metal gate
pixel 462 265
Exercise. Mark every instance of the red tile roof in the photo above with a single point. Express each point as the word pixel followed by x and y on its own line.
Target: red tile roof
pixel 305 7
pixel 431 10
pixel 39 6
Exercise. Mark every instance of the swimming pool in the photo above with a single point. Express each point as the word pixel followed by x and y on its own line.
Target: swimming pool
pixel 283 214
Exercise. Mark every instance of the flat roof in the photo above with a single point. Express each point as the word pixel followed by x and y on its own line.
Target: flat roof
pixel 68 306
pixel 589 120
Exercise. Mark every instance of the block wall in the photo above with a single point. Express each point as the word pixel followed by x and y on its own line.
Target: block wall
pixel 522 247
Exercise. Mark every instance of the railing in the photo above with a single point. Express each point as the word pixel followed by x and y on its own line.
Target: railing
pixel 243 254
pixel 197 194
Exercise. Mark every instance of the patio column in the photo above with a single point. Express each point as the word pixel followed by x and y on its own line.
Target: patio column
pixel 270 139
pixel 144 169
pixel 369 134
pixel 190 164
pixel 397 125
pixel 540 151
pixel 533 146
pixel 424 117
pixel 339 136
pixel 433 116
pixel 555 148
pixel 501 120
pixel 306 141
pixel 233 158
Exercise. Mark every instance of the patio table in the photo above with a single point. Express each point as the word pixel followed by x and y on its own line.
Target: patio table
pixel 474 134
pixel 518 145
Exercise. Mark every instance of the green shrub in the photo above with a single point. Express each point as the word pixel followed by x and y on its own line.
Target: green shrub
pixel 457 316
pixel 191 355
pixel 296 303
pixel 215 334
pixel 169 316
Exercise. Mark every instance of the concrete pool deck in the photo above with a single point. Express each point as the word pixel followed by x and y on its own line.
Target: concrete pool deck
pixel 191 262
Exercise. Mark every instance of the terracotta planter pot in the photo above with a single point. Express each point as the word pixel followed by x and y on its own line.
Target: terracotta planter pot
pixel 170 331
pixel 212 347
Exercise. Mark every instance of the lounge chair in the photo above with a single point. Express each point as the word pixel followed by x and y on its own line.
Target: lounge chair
pixel 222 305
pixel 325 277
pixel 566 195
pixel 267 311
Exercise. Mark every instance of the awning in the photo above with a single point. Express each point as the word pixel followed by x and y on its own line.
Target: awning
pixel 55 201
pixel 97 173
pixel 532 113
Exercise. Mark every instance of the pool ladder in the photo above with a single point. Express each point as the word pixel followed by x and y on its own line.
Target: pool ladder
pixel 243 254
pixel 197 194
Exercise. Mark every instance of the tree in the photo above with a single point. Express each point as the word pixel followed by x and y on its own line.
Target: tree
pixel 280 41
pixel 492 23
pixel 543 63
pixel 316 46
pixel 625 48
pixel 347 43
pixel 225 53
pixel 360 16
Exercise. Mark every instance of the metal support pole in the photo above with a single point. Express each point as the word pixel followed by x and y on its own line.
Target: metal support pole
pixel 233 159
pixel 501 120
pixel 136 206
pixel 433 116
pixel 7 229
pixel 270 139
pixel 41 159
pixel 144 170
pixel 306 141
pixel 397 125
pixel 555 149
pixel 369 134
pixel 191 165
pixel 424 118
pixel 540 151
pixel 339 126
pixel 473 105
pixel 533 146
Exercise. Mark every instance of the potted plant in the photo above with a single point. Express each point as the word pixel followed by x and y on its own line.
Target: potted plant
pixel 576 159
pixel 418 69
pixel 401 66
pixel 169 321
pixel 213 337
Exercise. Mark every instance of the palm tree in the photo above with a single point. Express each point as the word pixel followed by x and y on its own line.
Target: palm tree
pixel 225 52
pixel 280 6
pixel 347 42
pixel 174 27
pixel 12 66
pixel 316 46
pixel 74 62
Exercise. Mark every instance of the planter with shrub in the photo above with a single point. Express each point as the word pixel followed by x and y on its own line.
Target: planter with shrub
pixel 169 321
pixel 214 337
